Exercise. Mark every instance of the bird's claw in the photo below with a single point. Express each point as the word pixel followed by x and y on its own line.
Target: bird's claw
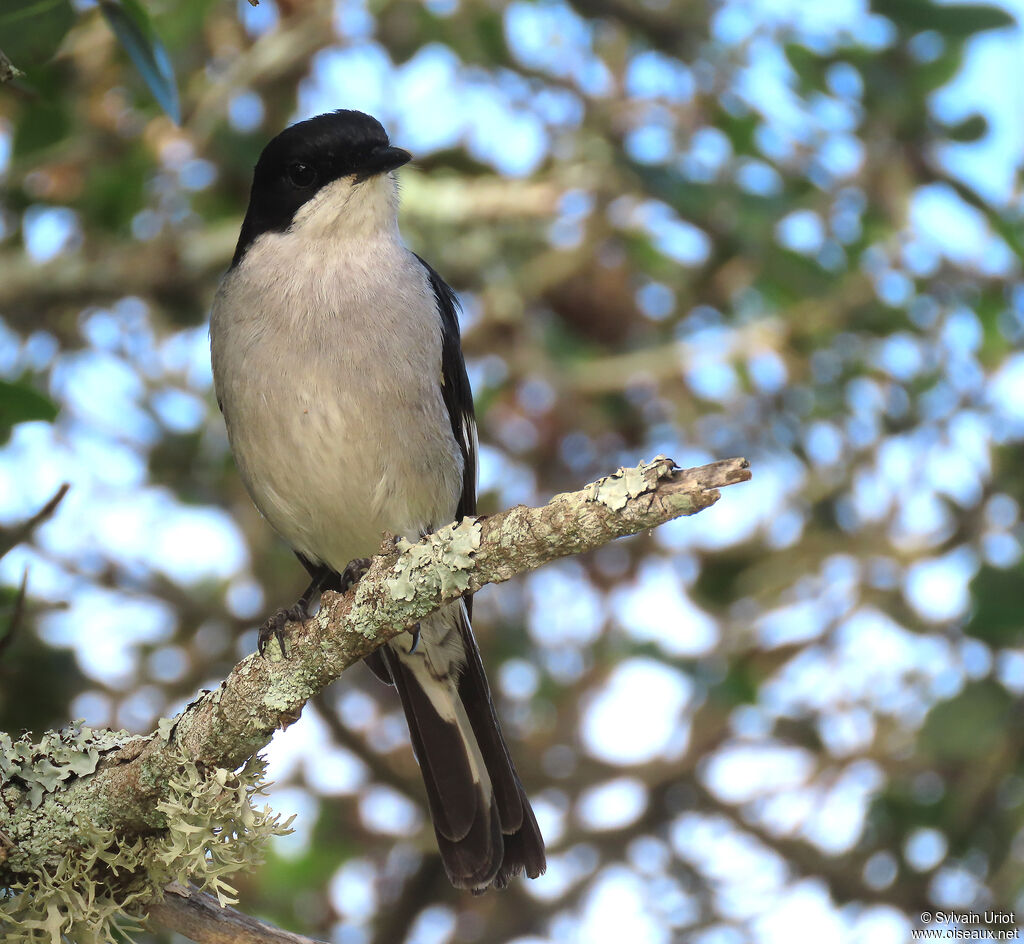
pixel 273 628
pixel 353 573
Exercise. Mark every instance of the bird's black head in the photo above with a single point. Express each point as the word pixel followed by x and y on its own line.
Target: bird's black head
pixel 307 156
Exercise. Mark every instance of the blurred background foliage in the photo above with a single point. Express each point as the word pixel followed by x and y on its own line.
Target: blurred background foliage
pixel 783 230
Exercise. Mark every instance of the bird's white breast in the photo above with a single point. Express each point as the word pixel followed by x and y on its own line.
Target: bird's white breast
pixel 327 362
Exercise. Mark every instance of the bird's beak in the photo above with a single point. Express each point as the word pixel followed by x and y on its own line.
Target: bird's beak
pixel 380 160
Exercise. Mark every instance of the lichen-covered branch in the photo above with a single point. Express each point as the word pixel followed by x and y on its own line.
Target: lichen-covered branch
pixel 120 784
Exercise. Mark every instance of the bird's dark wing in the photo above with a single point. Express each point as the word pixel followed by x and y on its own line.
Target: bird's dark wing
pixel 458 396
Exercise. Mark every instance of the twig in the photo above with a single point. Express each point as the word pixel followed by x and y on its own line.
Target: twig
pixel 8 70
pixel 16 616
pixel 200 918
pixel 11 537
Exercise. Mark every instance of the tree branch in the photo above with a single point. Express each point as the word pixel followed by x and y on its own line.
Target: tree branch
pixel 404 584
pixel 200 918
pixel 670 31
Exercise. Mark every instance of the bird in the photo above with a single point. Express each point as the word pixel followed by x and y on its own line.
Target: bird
pixel 338 368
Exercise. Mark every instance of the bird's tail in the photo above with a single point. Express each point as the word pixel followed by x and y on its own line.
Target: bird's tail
pixel 485 827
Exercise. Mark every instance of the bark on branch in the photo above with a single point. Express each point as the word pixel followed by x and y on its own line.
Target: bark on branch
pixel 405 583
pixel 199 918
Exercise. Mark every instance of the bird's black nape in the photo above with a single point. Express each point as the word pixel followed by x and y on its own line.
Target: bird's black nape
pixel 303 158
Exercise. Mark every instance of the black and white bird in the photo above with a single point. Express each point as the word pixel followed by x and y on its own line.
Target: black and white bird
pixel 338 367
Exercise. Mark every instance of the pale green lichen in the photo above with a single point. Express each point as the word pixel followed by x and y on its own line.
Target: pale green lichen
pixel 102 883
pixel 615 490
pixel 165 728
pixel 440 563
pixel 274 650
pixel 42 768
pixel 279 698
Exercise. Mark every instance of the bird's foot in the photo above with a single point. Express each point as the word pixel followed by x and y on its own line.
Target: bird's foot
pixel 353 573
pixel 273 628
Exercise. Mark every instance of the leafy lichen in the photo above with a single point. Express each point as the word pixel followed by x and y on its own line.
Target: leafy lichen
pixel 439 564
pixel 617 489
pixel 42 768
pixel 452 547
pixel 100 885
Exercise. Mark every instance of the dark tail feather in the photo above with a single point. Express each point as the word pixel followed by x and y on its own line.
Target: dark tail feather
pixel 524 849
pixel 453 793
pixel 486 830
pixel 524 845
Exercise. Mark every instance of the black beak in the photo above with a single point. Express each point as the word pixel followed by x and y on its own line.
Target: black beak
pixel 380 160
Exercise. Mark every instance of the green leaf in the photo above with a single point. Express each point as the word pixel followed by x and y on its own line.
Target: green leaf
pixel 490 33
pixel 953 20
pixel 972 128
pixel 933 75
pixel 808 65
pixel 49 123
pixel 133 29
pixel 116 192
pixel 971 725
pixel 20 403
pixel 998 613
pixel 740 129
pixel 739 687
pixel 31 30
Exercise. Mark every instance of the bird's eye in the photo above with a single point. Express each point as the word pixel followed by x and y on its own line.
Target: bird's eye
pixel 301 175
